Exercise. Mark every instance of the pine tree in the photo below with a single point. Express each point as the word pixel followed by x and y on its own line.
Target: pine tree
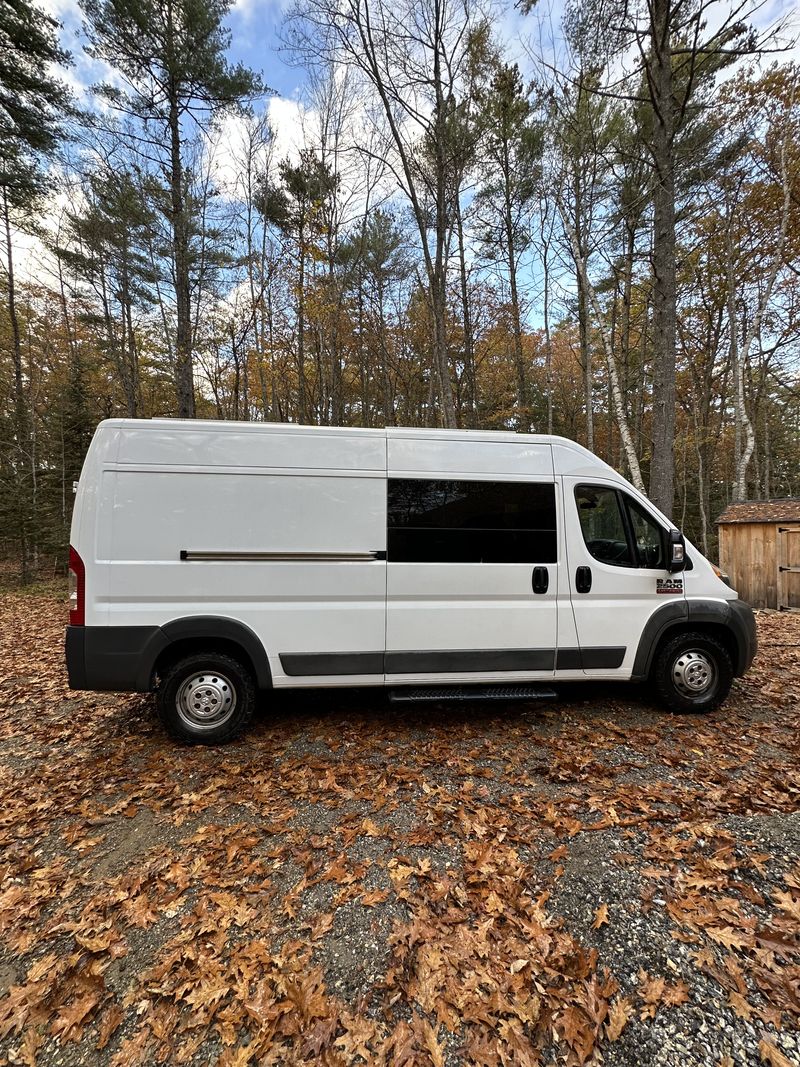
pixel 513 148
pixel 172 58
pixel 32 103
pixel 105 245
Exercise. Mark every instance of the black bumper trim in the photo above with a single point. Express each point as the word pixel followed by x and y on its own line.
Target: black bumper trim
pixel 470 661
pixel 116 659
pixel 301 665
pixel 736 616
pixel 75 652
pixel 122 659
pixel 449 661
pixel 733 615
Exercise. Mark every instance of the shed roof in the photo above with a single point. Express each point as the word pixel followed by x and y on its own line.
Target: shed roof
pixel 786 509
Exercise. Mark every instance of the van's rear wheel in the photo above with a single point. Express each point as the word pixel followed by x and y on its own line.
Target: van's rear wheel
pixel 693 673
pixel 206 699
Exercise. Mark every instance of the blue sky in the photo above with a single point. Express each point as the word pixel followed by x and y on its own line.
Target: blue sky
pixel 255 28
pixel 255 36
pixel 255 41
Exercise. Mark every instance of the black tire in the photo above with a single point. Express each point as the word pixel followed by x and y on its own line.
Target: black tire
pixel 206 699
pixel 683 663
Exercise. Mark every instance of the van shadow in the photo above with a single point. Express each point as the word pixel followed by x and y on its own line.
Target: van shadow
pixel 624 702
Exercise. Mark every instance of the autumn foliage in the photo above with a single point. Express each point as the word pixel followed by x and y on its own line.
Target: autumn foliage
pixel 351 884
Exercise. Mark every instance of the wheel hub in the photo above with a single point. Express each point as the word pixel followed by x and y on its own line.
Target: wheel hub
pixel 206 700
pixel 694 673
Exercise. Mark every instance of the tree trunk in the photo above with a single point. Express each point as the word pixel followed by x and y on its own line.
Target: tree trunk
pixel 439 281
pixel 754 328
pixel 466 311
pixel 659 73
pixel 441 362
pixel 611 363
pixel 548 354
pixel 523 414
pixel 579 252
pixel 127 341
pixel 302 391
pixel 20 408
pixel 387 393
pixel 184 374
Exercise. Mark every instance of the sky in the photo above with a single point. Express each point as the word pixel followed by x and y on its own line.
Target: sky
pixel 255 41
pixel 254 26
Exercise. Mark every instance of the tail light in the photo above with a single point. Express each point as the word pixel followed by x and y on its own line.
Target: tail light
pixel 77 589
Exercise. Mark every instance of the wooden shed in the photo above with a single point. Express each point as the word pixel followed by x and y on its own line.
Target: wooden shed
pixel 759 547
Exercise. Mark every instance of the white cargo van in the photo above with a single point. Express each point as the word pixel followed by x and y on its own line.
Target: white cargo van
pixel 213 559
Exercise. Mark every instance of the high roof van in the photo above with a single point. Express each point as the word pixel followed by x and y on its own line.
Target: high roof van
pixel 210 560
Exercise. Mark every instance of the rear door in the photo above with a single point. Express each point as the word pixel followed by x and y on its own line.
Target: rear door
pixel 616 553
pixel 472 576
pixel 789 568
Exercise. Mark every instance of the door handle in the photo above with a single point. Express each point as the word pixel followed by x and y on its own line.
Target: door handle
pixel 541 579
pixel 583 579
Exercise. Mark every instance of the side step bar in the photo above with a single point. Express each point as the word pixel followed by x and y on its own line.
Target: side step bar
pixel 467 693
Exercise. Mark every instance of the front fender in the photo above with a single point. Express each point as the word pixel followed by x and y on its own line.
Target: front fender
pixel 735 616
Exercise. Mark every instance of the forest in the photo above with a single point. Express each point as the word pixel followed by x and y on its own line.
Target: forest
pixel 589 228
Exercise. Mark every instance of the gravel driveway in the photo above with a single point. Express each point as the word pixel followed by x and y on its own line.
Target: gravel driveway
pixel 593 881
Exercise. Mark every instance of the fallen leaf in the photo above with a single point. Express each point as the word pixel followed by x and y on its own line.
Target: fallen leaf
pixel 373 897
pixel 772 1055
pixel 600 917
pixel 619 1014
pixel 740 1005
pixel 676 993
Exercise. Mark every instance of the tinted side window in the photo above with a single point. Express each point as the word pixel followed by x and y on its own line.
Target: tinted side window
pixel 471 522
pixel 602 525
pixel 648 537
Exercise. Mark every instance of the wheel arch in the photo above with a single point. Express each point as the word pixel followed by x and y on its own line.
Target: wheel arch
pixel 713 617
pixel 194 634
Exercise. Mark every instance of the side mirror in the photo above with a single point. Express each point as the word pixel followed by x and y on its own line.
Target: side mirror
pixel 676 551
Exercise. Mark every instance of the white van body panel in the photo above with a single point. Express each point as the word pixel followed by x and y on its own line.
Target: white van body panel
pixel 283 529
pixel 461 607
pixel 621 600
pixel 168 486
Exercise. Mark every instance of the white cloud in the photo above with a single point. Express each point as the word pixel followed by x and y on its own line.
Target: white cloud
pixel 34 263
pixel 290 119
pixel 226 146
pixel 66 11
pixel 249 9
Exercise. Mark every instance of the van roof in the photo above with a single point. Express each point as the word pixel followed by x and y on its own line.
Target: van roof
pixel 221 425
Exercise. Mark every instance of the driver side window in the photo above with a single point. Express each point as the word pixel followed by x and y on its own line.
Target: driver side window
pixel 617 530
pixel 603 526
pixel 648 537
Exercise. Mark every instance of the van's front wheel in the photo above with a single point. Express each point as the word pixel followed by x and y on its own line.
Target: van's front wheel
pixel 693 673
pixel 206 699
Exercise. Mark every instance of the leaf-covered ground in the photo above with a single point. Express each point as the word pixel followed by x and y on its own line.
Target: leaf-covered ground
pixel 593 881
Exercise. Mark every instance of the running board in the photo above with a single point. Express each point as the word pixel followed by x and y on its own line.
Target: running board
pixel 468 693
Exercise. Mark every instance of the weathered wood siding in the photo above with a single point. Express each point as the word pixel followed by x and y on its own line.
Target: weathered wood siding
pixel 748 553
pixel 789 567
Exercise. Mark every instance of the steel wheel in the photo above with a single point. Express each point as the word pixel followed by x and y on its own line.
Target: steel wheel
pixel 206 701
pixel 694 673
